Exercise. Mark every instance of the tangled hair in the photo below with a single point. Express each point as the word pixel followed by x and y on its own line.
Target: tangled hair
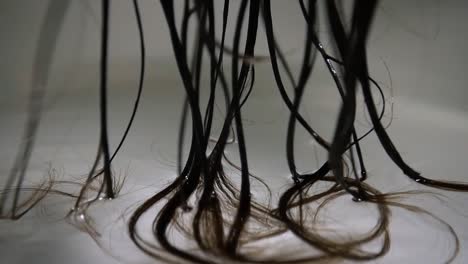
pixel 205 202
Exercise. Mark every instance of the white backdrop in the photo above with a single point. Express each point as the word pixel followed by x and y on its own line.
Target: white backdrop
pixel 416 51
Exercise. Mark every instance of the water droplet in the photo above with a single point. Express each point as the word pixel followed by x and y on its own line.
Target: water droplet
pixel 357 199
pixel 420 180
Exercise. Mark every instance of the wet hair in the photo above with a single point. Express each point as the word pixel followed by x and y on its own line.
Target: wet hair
pixel 205 202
